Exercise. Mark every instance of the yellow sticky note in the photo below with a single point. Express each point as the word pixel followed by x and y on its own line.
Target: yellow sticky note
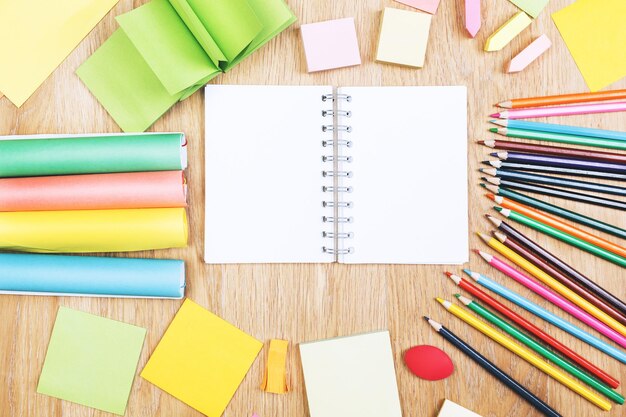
pixel 201 359
pixel 275 377
pixel 37 35
pixel 505 33
pixel 403 37
pixel 595 33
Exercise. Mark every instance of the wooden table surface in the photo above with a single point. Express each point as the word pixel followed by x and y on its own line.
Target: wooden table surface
pixel 307 302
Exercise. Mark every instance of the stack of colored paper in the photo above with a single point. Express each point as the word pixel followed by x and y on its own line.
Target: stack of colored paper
pixel 98 193
pixel 167 49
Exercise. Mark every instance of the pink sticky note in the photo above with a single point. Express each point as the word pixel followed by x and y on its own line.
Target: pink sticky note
pixel 529 54
pixel 429 6
pixel 472 17
pixel 330 44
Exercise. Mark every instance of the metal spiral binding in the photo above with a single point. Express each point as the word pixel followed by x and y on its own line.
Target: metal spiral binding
pixel 336 174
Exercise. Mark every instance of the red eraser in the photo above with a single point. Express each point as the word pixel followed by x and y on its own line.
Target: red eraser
pixel 428 362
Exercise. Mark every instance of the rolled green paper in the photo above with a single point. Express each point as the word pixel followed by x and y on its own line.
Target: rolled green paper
pixel 554 358
pixel 28 156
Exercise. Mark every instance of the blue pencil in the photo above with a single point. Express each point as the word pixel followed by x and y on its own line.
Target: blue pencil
pixel 547 316
pixel 566 130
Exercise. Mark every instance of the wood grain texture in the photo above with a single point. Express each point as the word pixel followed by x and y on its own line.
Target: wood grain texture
pixel 307 302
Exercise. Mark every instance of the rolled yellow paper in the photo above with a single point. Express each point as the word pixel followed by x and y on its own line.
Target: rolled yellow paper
pixel 93 230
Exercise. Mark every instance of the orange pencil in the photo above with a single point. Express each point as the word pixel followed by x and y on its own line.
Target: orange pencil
pixel 558 224
pixel 563 99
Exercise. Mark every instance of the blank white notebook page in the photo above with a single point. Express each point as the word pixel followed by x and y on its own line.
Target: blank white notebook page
pixel 351 376
pixel 263 177
pixel 409 175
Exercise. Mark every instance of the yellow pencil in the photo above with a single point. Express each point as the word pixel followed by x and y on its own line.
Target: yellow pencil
pixel 554 284
pixel 527 355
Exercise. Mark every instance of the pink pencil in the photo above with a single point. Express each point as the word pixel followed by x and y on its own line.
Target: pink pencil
pixel 555 299
pixel 472 17
pixel 561 110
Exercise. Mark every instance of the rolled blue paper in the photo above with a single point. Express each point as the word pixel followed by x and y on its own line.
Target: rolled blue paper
pixel 91 276
pixel 567 130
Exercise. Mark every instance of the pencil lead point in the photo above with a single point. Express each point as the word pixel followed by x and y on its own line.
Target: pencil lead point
pixel 457 295
pixel 493 130
pixel 426 318
pixel 496 115
pixel 448 274
pixel 498 209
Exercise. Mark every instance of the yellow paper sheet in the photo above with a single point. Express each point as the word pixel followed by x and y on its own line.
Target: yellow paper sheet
pixel 275 377
pixel 201 359
pixel 595 33
pixel 403 37
pixel 93 230
pixel 37 35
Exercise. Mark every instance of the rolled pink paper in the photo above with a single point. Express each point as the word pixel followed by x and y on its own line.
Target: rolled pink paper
pixel 472 16
pixel 557 300
pixel 429 6
pixel 529 54
pixel 562 110
pixel 161 189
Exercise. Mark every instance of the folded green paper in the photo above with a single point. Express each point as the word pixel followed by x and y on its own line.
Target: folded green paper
pixel 166 50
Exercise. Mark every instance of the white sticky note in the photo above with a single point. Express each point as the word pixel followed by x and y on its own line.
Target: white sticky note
pixel 452 409
pixel 403 37
pixel 351 376
pixel 530 54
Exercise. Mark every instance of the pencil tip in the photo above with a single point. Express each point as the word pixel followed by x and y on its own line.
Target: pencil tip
pixel 490 196
pixel 476 251
pixel 457 295
pixel 498 209
pixel 448 274
pixel 493 130
pixel 426 318
pixel 496 115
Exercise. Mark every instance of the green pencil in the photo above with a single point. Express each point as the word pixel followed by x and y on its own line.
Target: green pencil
pixel 556 359
pixel 556 210
pixel 560 138
pixel 562 236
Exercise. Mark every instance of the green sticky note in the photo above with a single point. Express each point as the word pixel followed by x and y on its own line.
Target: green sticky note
pixel 125 85
pixel 532 7
pixel 172 52
pixel 91 360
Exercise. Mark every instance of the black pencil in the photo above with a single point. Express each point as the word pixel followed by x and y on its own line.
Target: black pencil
pixel 490 367
pixel 554 181
pixel 496 163
pixel 560 161
pixel 555 192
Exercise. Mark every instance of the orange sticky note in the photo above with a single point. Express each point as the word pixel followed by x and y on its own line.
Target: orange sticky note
pixel 275 377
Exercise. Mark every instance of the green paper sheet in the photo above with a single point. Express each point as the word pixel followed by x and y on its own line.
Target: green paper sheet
pixel 91 360
pixel 25 156
pixel 532 7
pixel 168 49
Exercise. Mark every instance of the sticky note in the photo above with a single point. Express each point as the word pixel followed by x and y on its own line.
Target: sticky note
pixel 37 35
pixel 351 376
pixel 91 360
pixel 532 7
pixel 403 37
pixel 452 409
pixel 472 17
pixel 201 359
pixel 275 377
pixel 530 54
pixel 330 44
pixel 505 33
pixel 429 6
pixel 595 34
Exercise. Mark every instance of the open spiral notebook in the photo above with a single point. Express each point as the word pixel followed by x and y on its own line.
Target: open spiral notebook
pixel 321 174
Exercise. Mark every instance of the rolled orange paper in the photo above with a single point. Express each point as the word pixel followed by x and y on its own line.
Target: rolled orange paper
pixel 161 189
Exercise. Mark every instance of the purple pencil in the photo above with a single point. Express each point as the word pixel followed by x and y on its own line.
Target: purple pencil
pixel 557 161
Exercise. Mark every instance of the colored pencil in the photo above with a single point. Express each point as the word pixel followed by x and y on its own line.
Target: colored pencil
pixel 555 192
pixel 552 209
pixel 568 270
pixel 562 226
pixel 563 99
pixel 559 276
pixel 573 110
pixel 534 330
pixel 554 181
pixel 527 355
pixel 553 283
pixel 507 145
pixel 498 373
pixel 497 163
pixel 564 129
pixel 562 236
pixel 563 162
pixel 560 138
pixel 538 348
pixel 554 298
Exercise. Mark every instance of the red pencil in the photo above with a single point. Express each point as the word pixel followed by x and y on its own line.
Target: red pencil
pixel 536 331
